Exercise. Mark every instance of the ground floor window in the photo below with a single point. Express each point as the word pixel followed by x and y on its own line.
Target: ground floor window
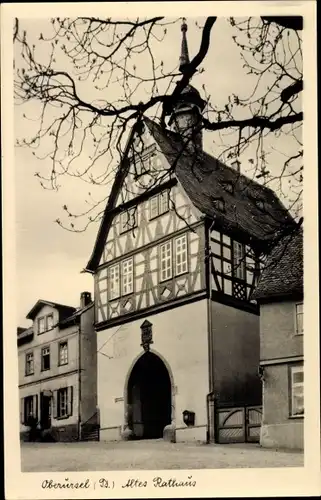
pixel 29 409
pixel 296 391
pixel 64 402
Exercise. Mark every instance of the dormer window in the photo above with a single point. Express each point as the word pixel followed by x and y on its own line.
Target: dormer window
pixel 128 220
pixel 41 325
pixel 45 323
pixel 228 186
pixel 49 321
pixel 218 204
pixel 260 204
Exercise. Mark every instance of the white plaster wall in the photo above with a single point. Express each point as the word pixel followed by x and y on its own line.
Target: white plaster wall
pixel 53 385
pixel 50 338
pixel 180 338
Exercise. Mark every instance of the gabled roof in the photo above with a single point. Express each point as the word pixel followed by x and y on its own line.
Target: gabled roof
pixel 283 271
pixel 106 219
pixel 204 179
pixel 64 311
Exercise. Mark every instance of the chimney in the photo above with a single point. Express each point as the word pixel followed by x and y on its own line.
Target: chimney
pixel 236 165
pixel 85 299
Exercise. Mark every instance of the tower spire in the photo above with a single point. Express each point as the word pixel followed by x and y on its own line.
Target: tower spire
pixel 186 112
pixel 184 57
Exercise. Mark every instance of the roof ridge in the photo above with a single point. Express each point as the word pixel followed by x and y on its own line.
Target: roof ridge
pixel 241 212
pixel 211 156
pixel 238 213
pixel 53 302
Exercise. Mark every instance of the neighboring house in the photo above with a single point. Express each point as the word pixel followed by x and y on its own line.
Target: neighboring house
pixel 57 370
pixel 175 263
pixel 280 295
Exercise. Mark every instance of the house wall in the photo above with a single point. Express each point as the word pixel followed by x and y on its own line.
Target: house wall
pixel 281 347
pixel 50 338
pixel 236 348
pixel 53 379
pixel 279 429
pixel 64 429
pixel 180 339
pixel 278 335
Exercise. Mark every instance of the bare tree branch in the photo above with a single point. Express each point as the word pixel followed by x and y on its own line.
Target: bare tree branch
pixel 291 22
pixel 84 133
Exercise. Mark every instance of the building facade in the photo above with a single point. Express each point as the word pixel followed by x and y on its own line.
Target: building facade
pixel 175 263
pixel 57 371
pixel 280 294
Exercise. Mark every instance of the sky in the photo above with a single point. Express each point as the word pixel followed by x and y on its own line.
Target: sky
pixel 50 259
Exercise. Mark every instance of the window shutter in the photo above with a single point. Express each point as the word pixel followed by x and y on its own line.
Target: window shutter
pixel 22 411
pixel 69 400
pixel 55 404
pixel 35 406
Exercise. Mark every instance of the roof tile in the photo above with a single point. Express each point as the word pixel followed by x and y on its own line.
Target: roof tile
pixel 204 179
pixel 283 270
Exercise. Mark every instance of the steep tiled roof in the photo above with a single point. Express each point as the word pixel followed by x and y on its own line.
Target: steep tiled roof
pixel 283 271
pixel 251 207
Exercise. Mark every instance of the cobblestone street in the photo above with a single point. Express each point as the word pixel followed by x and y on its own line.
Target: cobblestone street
pixel 149 455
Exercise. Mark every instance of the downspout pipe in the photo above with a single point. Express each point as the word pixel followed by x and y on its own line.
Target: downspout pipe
pixel 209 225
pixel 79 379
pixel 79 376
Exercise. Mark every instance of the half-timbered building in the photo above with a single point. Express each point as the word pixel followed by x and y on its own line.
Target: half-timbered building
pixel 175 262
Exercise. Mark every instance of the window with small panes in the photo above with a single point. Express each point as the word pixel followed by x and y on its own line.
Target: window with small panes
pixel 63 353
pixel 128 220
pixel 159 204
pixel 45 358
pixel 121 279
pixel 29 363
pixel 173 256
pixel 234 266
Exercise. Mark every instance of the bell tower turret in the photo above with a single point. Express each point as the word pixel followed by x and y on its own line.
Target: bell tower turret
pixel 186 113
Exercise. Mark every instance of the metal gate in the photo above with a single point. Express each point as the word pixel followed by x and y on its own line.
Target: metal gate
pixel 239 424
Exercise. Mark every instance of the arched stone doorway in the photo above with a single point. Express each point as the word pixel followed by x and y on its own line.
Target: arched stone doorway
pixel 149 397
